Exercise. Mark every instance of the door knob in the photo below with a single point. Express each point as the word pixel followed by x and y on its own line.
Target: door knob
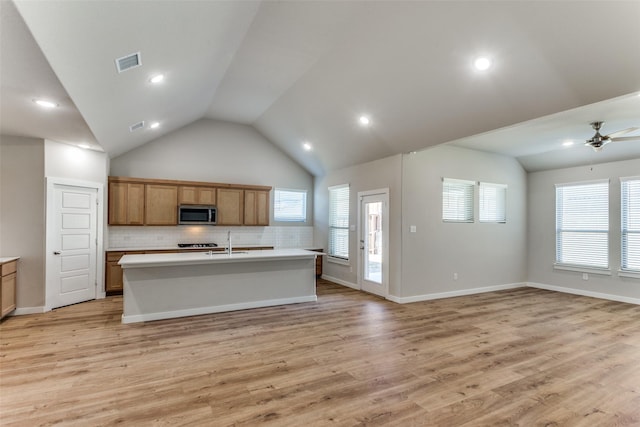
pixel 56 252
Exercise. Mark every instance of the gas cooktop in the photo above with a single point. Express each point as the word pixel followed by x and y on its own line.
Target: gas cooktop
pixel 197 245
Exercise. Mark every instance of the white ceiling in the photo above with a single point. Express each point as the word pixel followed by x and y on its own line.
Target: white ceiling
pixel 305 70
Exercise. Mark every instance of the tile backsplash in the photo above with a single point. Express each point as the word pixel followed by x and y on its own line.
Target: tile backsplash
pixel 169 237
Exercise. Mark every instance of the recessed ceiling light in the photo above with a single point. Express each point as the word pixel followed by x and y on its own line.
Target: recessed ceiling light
pixel 154 125
pixel 45 104
pixel 307 146
pixel 482 63
pixel 157 78
pixel 364 120
pixel 568 143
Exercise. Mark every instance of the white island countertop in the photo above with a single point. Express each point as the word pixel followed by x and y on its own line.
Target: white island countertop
pixel 177 259
pixel 168 285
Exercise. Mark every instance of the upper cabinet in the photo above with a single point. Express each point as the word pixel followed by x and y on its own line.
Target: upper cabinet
pixel 256 207
pixel 126 203
pixel 143 201
pixel 230 206
pixel 161 204
pixel 192 195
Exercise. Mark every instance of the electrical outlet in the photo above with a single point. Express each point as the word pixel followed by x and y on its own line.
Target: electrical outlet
pixel 585 276
pixel 455 276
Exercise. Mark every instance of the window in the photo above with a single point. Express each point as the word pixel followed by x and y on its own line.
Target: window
pixel 290 205
pixel 631 224
pixel 493 202
pixel 339 221
pixel 582 224
pixel 457 200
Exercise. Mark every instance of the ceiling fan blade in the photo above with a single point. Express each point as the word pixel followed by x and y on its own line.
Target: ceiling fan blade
pixel 625 138
pixel 621 132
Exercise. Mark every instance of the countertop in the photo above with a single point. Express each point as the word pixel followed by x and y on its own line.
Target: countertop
pixel 178 259
pixel 8 259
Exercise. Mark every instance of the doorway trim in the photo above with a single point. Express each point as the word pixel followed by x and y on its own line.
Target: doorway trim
pixel 385 236
pixel 49 227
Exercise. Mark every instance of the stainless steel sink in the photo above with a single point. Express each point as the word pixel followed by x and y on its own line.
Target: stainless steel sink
pixel 226 253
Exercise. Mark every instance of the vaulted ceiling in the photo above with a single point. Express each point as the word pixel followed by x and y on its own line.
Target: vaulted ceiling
pixel 304 71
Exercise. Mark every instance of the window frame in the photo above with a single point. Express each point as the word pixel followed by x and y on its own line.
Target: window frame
pixel 573 216
pixel 299 219
pixel 449 197
pixel 625 206
pixel 337 226
pixel 501 199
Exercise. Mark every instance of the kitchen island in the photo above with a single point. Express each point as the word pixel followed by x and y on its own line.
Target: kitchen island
pixel 162 286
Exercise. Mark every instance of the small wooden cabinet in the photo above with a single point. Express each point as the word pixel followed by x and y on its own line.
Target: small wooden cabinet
pixel 8 288
pixel 126 203
pixel 161 204
pixel 256 207
pixel 113 272
pixel 192 195
pixel 230 206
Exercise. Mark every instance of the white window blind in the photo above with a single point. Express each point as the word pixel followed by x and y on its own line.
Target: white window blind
pixel 631 224
pixel 290 205
pixel 457 200
pixel 582 224
pixel 339 221
pixel 493 202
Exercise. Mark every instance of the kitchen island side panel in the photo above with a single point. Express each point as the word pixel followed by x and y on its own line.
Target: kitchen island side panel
pixel 154 293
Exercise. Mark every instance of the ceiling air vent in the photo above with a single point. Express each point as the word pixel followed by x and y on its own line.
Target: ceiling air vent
pixel 134 127
pixel 128 62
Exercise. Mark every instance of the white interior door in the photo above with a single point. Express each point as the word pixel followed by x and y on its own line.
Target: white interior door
pixel 373 275
pixel 72 244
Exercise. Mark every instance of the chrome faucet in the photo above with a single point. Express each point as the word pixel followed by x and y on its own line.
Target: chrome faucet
pixel 229 250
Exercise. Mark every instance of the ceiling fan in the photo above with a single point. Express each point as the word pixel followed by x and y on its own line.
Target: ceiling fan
pixel 598 141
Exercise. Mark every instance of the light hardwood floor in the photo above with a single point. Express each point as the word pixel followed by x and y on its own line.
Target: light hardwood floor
pixel 523 357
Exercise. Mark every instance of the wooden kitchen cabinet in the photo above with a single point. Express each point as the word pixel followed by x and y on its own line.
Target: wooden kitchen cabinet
pixel 8 287
pixel 161 204
pixel 113 272
pixel 230 206
pixel 256 207
pixel 191 195
pixel 126 203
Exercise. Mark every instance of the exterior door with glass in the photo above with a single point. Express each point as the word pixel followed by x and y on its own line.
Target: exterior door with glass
pixel 373 275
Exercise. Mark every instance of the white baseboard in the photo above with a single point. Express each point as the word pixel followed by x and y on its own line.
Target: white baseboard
pixel 341 282
pixel 584 293
pixel 27 310
pixel 215 309
pixel 462 292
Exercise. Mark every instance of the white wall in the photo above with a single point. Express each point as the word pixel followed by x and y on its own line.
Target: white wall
pixel 541 231
pixel 24 164
pixel 68 161
pixel 22 227
pixel 215 151
pixel 482 254
pixel 384 173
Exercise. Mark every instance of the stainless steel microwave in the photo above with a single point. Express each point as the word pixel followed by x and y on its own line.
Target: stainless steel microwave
pixel 197 215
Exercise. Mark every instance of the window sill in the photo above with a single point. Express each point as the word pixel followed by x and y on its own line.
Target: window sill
pixel 582 269
pixel 340 261
pixel 631 274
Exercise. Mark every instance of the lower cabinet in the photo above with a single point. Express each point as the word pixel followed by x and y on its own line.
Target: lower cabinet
pixel 113 272
pixel 8 288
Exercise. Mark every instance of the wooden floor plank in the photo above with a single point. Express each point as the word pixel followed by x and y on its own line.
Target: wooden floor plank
pixel 515 357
